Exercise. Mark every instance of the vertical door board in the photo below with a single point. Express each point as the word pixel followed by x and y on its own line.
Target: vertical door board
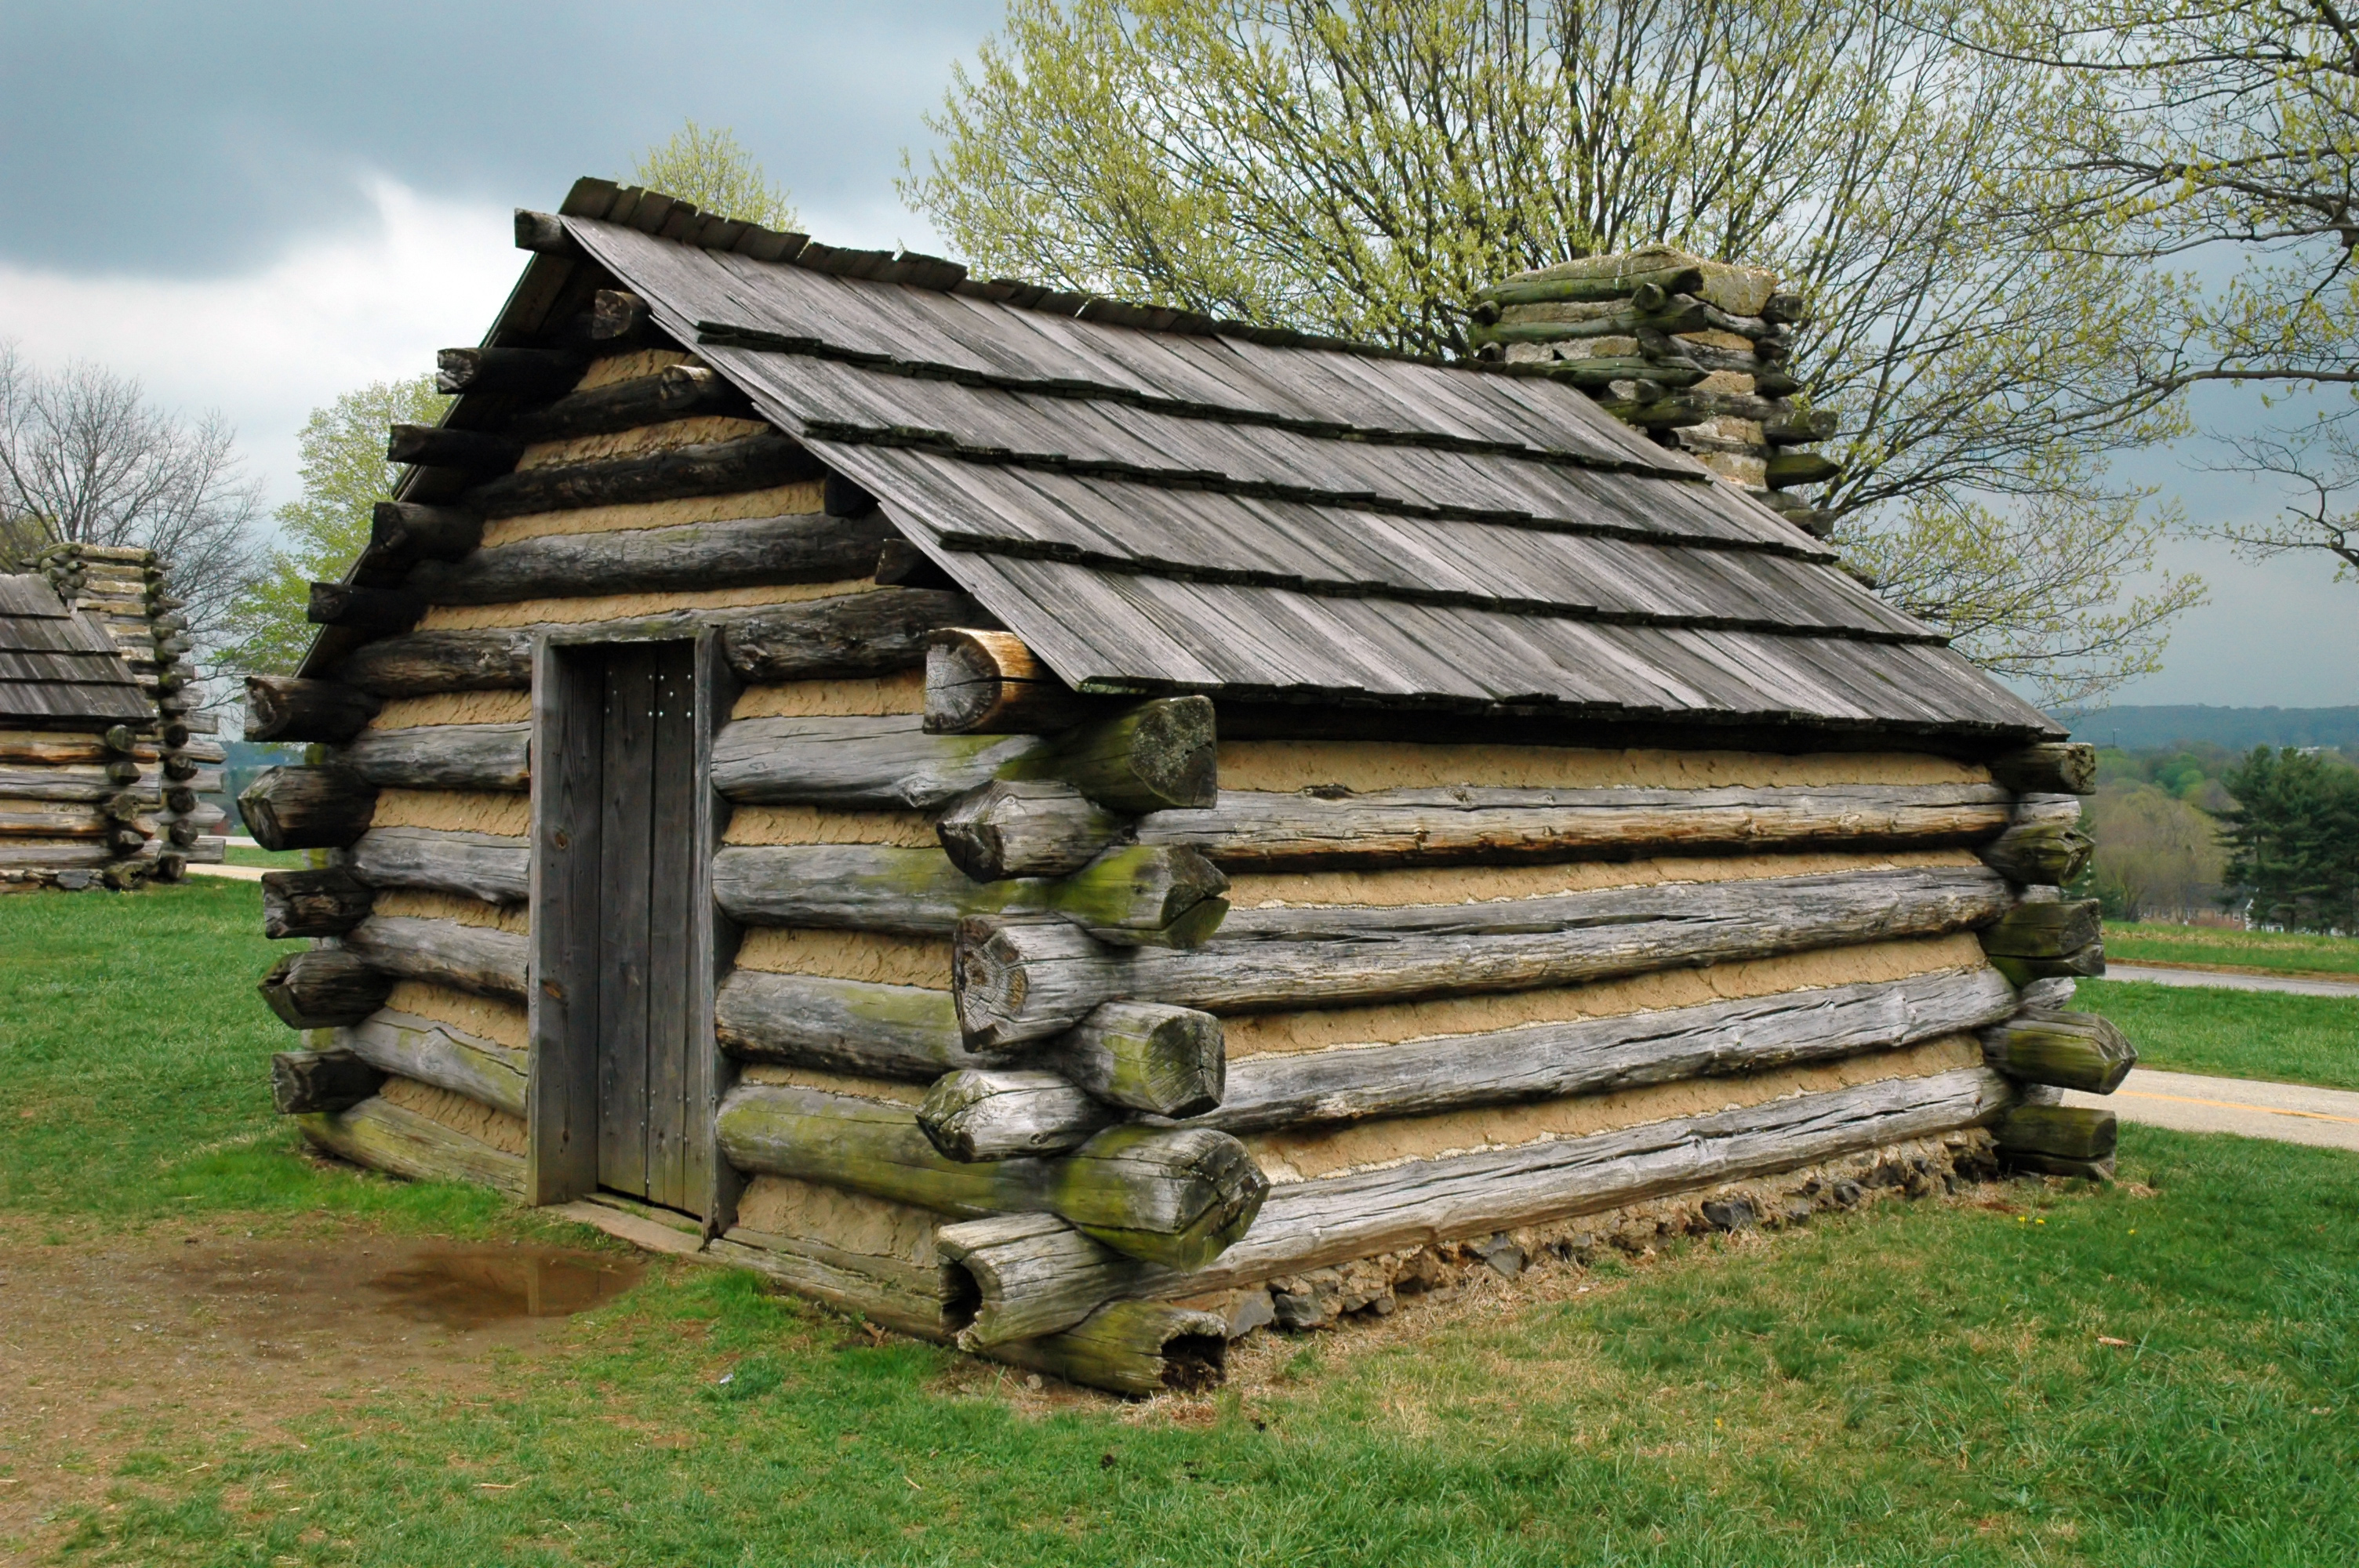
pixel 562 1002
pixel 625 884
pixel 670 941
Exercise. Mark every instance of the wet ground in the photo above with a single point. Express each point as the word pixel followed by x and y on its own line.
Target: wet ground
pixel 107 1347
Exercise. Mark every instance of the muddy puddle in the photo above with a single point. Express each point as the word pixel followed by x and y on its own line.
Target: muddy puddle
pixel 460 1289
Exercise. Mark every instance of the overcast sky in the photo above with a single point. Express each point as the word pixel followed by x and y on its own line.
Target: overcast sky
pixel 254 207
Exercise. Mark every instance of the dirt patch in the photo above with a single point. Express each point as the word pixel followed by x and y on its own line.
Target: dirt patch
pixel 221 1340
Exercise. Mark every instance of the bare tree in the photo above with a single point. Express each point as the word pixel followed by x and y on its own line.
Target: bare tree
pixel 85 458
pixel 2323 462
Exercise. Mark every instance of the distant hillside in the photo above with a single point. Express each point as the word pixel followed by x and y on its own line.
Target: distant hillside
pixel 2239 728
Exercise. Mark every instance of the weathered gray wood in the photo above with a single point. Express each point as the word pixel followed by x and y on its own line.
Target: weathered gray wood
pixel 2040 853
pixel 858 1026
pixel 2056 767
pixel 848 635
pixel 1016 982
pixel 420 663
pixel 618 313
pixel 1128 895
pixel 2059 1138
pixel 1333 1219
pixel 2070 1050
pixel 1153 757
pixel 755 462
pixel 1038 828
pixel 445 756
pixel 304 1081
pixel 1166 1061
pixel 878 1289
pixel 1169 1195
pixel 561 1014
pixel 545 232
pixel 326 902
pixel 676 392
pixel 471 958
pixel 71 819
pixel 998 1113
pixel 1139 1348
pixel 983 682
pixel 2045 930
pixel 439 1055
pixel 408 531
pixel 487 866
pixel 1256 828
pixel 286 708
pixel 435 445
pixel 388 1138
pixel 1019 1276
pixel 372 611
pixel 323 988
pixel 2083 964
pixel 881 763
pixel 1602 1056
pixel 802 547
pixel 306 808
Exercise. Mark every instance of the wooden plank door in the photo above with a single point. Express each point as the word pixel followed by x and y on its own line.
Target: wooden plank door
pixel 647 841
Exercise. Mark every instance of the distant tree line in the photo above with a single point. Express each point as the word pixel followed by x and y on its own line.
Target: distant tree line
pixel 2292 839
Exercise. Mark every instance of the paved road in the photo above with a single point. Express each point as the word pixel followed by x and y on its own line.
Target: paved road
pixel 235 873
pixel 2289 1113
pixel 2299 985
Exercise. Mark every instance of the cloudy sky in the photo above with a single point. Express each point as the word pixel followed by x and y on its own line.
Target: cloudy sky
pixel 254 207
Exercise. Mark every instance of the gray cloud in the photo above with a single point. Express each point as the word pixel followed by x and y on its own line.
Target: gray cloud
pixel 176 140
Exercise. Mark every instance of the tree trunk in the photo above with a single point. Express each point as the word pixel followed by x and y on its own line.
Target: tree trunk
pixel 1016 982
pixel 445 756
pixel 487 866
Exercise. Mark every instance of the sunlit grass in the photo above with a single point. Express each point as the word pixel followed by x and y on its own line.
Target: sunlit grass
pixel 2151 942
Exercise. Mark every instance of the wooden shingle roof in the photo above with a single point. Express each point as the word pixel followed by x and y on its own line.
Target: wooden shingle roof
pixel 58 669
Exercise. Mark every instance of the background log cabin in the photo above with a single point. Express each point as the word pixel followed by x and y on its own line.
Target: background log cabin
pixel 1074 827
pixel 101 757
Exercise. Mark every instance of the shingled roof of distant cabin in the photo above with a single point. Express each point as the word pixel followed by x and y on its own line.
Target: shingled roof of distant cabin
pixel 1156 501
pixel 58 668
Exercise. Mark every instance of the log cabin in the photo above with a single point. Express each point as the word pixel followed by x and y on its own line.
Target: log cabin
pixel 1077 829
pixel 102 757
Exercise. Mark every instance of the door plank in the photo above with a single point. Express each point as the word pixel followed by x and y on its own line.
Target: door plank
pixel 672 814
pixel 624 849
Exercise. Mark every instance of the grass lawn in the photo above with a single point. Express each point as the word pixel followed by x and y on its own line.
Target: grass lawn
pixel 1916 1384
pixel 268 859
pixel 2235 1034
pixel 2282 952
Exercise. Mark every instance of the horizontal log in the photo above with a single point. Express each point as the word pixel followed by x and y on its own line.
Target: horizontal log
pixel 1016 982
pixel 444 756
pixel 1139 1348
pixel 755 462
pixel 2045 930
pixel 849 635
pixel 2069 1050
pixel 1019 1276
pixel 313 904
pixel 306 808
pixel 406 531
pixel 323 988
pixel 618 313
pixel 58 748
pixel 1128 895
pixel 421 663
pixel 438 1053
pixel 287 707
pixel 1612 286
pixel 2086 963
pixel 22 818
pixel 470 958
pixel 1600 373
pixel 372 611
pixel 882 762
pixel 676 392
pixel 386 1137
pixel 988 683
pixel 1303 830
pixel 741 552
pixel 528 374
pixel 1789 468
pixel 303 1081
pixel 83 782
pixel 1164 1194
pixel 901 564
pixel 876 1290
pixel 903 1032
pixel 999 1113
pixel 1166 1061
pixel 486 866
pixel 1603 1055
pixel 1027 829
pixel 436 446
pixel 2054 767
pixel 2040 853
pixel 1151 757
pixel 2059 1138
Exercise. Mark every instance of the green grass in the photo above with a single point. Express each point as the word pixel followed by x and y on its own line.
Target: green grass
pixel 1920 1384
pixel 268 859
pixel 2296 952
pixel 2235 1034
